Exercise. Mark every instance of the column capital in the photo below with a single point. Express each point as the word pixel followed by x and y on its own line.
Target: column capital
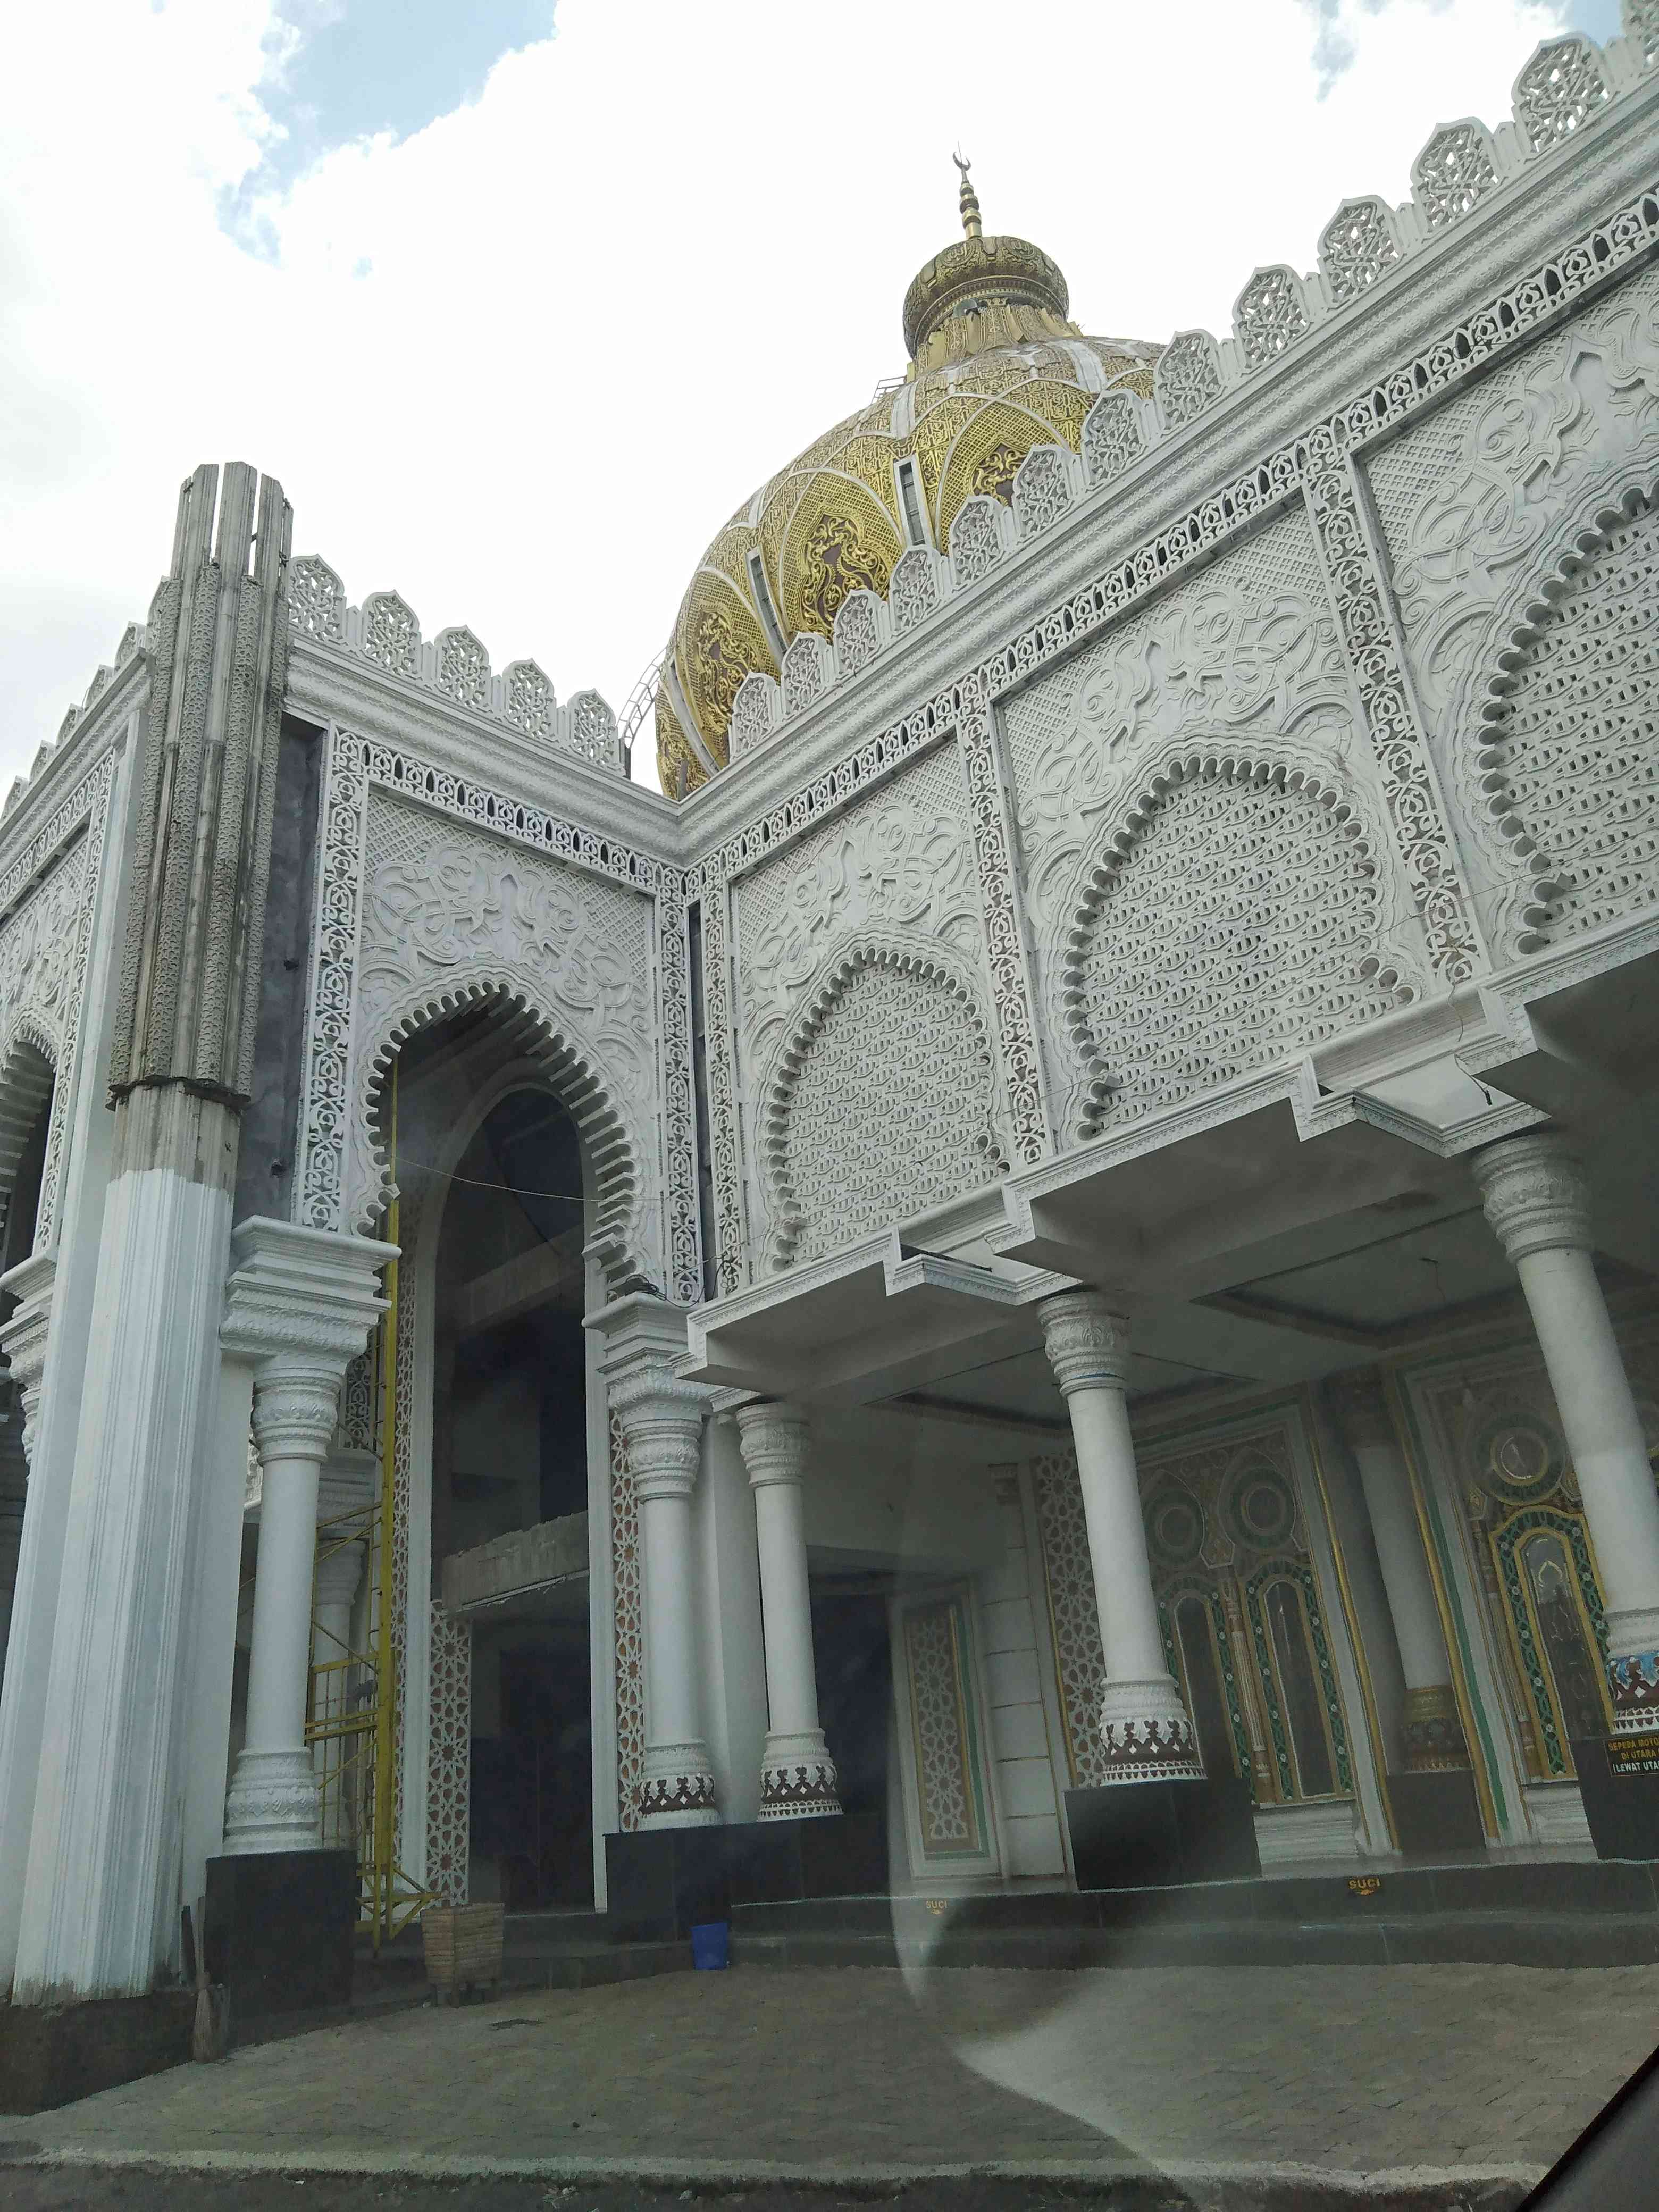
pixel 296 1401
pixel 775 1439
pixel 662 1420
pixel 1086 1341
pixel 302 1290
pixel 1534 1192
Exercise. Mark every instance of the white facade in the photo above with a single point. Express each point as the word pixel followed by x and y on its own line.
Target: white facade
pixel 1081 1025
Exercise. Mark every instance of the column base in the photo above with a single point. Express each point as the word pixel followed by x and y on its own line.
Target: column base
pixel 272 1804
pixel 281 1928
pixel 679 1789
pixel 799 1779
pixel 1146 1733
pixel 1619 1782
pixel 1163 1833
pixel 1432 1733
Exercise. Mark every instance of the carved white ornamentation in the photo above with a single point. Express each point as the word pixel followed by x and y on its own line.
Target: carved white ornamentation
pixel 464 668
pixel 1458 167
pixel 1570 765
pixel 1484 503
pixel 316 600
pixel 46 943
pixel 528 699
pixel 1559 90
pixel 1114 436
pixel 892 1040
pixel 1642 28
pixel 913 592
pixel 1043 489
pixel 391 634
pixel 1187 377
pixel 451 914
pixel 976 543
pixel 805 672
pixel 858 632
pixel 754 713
pixel 1270 315
pixel 900 866
pixel 1233 920
pixel 1357 247
pixel 1251 647
pixel 593 730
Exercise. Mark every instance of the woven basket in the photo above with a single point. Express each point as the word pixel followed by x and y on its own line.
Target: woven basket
pixel 463 1947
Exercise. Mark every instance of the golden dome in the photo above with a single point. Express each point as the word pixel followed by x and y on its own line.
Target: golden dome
pixel 995 369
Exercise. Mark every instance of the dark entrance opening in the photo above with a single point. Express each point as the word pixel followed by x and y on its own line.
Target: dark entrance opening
pixel 532 1785
pixel 852 1651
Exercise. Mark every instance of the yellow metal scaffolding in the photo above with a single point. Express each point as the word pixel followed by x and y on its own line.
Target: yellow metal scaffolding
pixel 352 1710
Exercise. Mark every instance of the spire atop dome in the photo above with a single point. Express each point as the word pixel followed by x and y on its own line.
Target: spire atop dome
pixel 971 225
pixel 982 292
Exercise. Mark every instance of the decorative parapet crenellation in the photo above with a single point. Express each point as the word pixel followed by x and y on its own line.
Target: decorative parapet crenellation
pixel 133 641
pixel 386 633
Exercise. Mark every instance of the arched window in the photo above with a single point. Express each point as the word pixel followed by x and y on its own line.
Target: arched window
pixel 1200 1668
pixel 1574 1668
pixel 1301 1696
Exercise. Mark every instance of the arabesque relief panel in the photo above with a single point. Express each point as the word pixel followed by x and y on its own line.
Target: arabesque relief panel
pixel 1210 883
pixel 861 993
pixel 1523 545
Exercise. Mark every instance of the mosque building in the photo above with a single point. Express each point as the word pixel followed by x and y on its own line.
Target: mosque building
pixel 1041 1272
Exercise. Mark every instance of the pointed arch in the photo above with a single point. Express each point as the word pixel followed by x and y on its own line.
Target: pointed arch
pixel 573 1072
pixel 1567 783
pixel 1235 914
pixel 889 1030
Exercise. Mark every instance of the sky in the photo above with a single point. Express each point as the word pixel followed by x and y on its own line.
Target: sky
pixel 521 299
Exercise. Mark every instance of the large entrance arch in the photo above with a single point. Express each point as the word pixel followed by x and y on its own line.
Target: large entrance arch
pixel 499 1451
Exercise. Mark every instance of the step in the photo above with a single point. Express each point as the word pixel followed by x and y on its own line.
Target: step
pixel 1430 1938
pixel 1594 1888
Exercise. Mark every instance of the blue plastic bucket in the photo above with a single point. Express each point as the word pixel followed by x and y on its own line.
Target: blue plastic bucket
pixel 711 1946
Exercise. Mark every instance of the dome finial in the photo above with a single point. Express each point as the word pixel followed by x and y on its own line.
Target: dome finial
pixel 970 221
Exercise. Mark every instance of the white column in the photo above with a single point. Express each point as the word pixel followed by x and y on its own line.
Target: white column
pixel 1431 1732
pixel 1537 1201
pixel 798 1776
pixel 338 1571
pixel 1147 1733
pixel 273 1801
pixel 662 1421
pixel 300 1304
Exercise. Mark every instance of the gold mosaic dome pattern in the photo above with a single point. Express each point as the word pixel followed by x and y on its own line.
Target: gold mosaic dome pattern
pixel 995 369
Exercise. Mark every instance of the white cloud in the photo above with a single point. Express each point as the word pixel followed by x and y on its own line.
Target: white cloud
pixel 523 363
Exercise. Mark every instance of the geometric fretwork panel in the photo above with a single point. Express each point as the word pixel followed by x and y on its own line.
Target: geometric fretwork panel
pixel 448 1756
pixel 1073 1616
pixel 886 1105
pixel 1237 921
pixel 1573 760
